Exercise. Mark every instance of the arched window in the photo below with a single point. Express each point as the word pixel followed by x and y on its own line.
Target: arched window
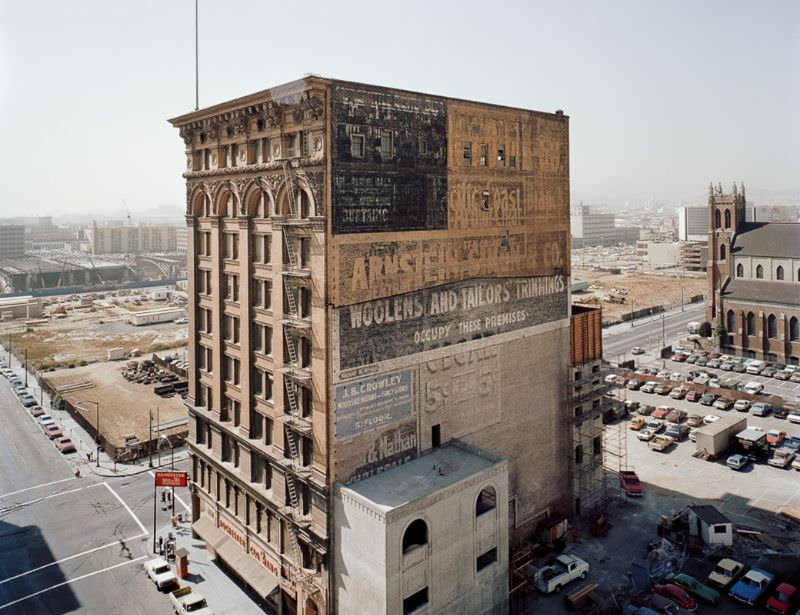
pixel 487 500
pixel 794 329
pixel 772 326
pixel 722 252
pixel 739 270
pixel 779 273
pixel 415 536
pixel 751 324
pixel 303 203
pixel 727 218
pixel 730 322
pixel 760 272
pixel 717 218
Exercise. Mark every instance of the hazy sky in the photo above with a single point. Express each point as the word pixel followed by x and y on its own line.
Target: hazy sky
pixel 663 96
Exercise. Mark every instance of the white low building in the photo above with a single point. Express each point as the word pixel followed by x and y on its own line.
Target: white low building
pixel 150 317
pixel 428 536
pixel 711 525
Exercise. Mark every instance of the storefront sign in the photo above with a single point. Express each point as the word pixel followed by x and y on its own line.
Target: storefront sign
pixel 171 479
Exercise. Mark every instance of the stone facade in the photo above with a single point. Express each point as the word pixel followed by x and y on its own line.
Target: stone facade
pixel 372 274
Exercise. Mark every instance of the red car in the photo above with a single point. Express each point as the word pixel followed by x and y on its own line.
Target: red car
pixel 65 445
pixel 661 412
pixel 676 416
pixel 52 431
pixel 37 411
pixel 782 599
pixel 630 483
pixel 677 594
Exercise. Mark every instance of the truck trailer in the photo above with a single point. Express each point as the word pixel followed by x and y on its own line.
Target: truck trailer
pixel 714 439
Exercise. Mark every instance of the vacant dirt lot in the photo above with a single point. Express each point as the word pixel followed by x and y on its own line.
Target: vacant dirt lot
pixel 638 291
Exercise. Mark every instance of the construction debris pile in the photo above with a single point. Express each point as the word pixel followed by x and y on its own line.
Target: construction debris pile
pixel 147 372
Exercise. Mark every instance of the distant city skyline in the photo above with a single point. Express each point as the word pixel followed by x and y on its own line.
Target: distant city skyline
pixel 662 97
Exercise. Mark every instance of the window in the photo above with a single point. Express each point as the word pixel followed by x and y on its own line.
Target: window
pixel 232 287
pixel 268 428
pixel 727 218
pixel 794 331
pixel 467 153
pixel 751 324
pixel 717 219
pixel 487 559
pixel 501 155
pixel 416 535
pixel 730 321
pixel 779 273
pixel 485 200
pixel 760 272
pixel 230 370
pixel 578 454
pixel 484 154
pixel 739 271
pixel 720 529
pixel 487 500
pixel 305 252
pixel 722 252
pixel 387 148
pixel 357 146
pixel 204 282
pixel 597 445
pixel 436 436
pixel 256 425
pixel 231 329
pixel 292 145
pixel 308 451
pixel 512 161
pixel 772 326
pixel 415 601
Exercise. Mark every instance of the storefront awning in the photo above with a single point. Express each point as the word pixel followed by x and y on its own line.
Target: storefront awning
pixel 247 567
pixel 209 532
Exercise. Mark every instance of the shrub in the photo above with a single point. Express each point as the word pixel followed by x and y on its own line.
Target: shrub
pixel 705 330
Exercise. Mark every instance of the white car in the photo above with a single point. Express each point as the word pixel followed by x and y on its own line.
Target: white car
pixel 710 418
pixel 182 321
pixel 702 379
pixel 793 417
pixel 637 350
pixel 645 435
pixel 752 388
pixel 160 572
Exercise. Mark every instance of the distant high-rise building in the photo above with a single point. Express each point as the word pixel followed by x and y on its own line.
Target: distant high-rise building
pixel 12 241
pixel 380 343
pixel 693 223
pixel 596 229
pixel 133 239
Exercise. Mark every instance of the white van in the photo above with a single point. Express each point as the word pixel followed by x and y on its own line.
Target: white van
pixel 693 327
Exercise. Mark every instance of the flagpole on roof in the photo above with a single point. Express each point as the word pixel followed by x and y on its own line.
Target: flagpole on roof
pixel 196 63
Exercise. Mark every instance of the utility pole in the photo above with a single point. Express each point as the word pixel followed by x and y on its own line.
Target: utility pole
pixel 26 368
pixel 150 439
pixel 158 424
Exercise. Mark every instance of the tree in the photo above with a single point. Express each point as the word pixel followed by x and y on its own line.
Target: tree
pixel 705 329
pixel 721 333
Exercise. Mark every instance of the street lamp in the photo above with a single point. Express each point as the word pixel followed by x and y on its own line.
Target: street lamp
pixel 97 423
pixel 161 439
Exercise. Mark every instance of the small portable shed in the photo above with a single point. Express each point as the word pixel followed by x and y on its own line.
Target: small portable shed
pixel 711 525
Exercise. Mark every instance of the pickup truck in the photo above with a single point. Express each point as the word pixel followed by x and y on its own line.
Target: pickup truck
pixel 185 601
pixel 782 457
pixel 661 443
pixel 630 483
pixel 160 572
pixel 566 568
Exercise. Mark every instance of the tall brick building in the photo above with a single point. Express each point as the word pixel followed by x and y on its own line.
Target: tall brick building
pixel 380 306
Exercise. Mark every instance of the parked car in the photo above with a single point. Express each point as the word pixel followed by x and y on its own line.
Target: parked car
pixel 655 425
pixel 708 399
pixel 726 366
pixel 782 457
pixel 694 420
pixel 37 411
pixel 663 389
pixel 701 361
pixel 28 400
pixel 693 396
pixel 633 385
pixel 783 599
pixel 160 572
pixel 677 594
pixel 793 417
pixel 631 405
pixel 678 393
pixel 680 357
pixel 637 423
pixel 726 571
pixel 678 432
pixel 52 431
pixel 779 412
pixel 783 374
pixel 742 405
pixel 676 416
pixel 751 586
pixel 775 437
pixel 610 379
pixel 65 445
pixel 710 418
pixel 739 367
pixel 646 434
pixel 714 363
pixel 645 409
pixel 795 377
pixel 661 412
pixel 755 367
pixel 760 408
pixel 736 461
pixel 637 350
pixel 691 359
pixel 565 569
pixel 661 443
pixel 695 588
pixel 723 403
pixel 753 387
pixel 701 379
pixel 649 386
pixel 630 483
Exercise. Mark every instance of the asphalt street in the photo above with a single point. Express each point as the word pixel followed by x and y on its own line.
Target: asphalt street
pixel 648 332
pixel 70 545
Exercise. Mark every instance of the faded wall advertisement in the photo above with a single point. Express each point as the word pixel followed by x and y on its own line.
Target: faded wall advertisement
pixel 388 449
pixel 375 331
pixel 373 403
pixel 375 270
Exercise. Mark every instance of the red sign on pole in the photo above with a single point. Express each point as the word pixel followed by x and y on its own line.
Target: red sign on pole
pixel 171 479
